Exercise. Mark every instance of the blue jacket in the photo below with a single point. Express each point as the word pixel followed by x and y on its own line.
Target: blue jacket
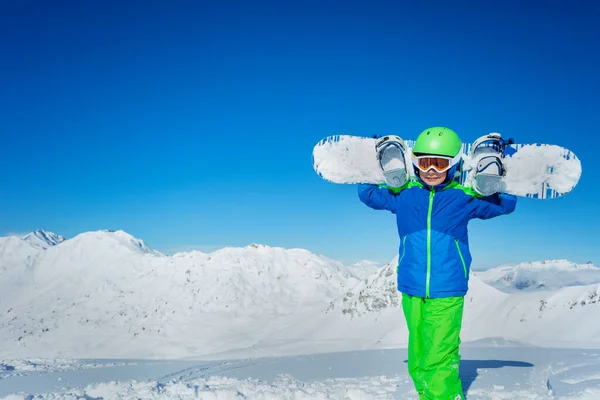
pixel 434 257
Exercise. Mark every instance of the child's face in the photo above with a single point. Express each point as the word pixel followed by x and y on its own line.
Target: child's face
pixel 432 177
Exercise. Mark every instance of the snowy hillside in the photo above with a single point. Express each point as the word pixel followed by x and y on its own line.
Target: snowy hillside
pixel 540 275
pixel 99 285
pixel 17 259
pixel 107 294
pixel 21 252
pixel 375 292
pixel 16 253
pixel 540 318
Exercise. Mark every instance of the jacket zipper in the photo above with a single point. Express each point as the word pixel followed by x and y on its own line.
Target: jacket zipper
pixel 461 256
pixel 403 252
pixel 431 194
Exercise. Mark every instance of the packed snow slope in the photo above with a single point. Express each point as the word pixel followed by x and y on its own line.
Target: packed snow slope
pixel 106 294
pixel 487 373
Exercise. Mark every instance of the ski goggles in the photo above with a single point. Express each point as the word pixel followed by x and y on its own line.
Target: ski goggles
pixel 438 163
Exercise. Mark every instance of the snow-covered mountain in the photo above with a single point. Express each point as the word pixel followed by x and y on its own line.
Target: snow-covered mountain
pixel 106 294
pixel 17 252
pixel 540 275
pixel 17 259
pixel 43 239
pixel 375 292
pixel 540 318
pixel 102 284
pixel 364 268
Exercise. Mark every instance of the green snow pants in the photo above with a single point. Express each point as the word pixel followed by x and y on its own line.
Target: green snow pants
pixel 433 339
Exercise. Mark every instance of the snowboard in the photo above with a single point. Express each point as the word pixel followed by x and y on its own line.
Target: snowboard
pixel 537 171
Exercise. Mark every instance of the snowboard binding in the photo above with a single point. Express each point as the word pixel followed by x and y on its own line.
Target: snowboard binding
pixel 486 157
pixel 391 151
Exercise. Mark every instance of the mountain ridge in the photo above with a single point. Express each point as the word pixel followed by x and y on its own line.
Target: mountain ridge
pixel 109 284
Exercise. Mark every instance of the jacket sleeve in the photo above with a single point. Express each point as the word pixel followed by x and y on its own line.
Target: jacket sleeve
pixel 378 198
pixel 493 206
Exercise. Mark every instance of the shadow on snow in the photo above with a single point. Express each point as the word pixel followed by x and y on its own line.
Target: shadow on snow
pixel 469 369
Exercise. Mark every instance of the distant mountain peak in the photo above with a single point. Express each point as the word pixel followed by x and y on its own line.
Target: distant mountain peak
pixel 540 275
pixel 364 268
pixel 44 239
pixel 258 246
pixel 109 238
pixel 561 264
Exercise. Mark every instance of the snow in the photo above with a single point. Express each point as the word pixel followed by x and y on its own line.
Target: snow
pixel 540 275
pixel 364 268
pixel 486 372
pixel 103 315
pixel 334 157
pixel 43 239
pixel 105 294
pixel 541 163
pixel 352 159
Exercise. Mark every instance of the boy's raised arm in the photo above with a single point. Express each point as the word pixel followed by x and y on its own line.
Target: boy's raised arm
pixel 378 198
pixel 493 206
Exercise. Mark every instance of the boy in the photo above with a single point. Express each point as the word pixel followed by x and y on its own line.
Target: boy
pixel 432 213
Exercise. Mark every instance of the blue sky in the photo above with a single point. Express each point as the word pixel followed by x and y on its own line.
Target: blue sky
pixel 192 126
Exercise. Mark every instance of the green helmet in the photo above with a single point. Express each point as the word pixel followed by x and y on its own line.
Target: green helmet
pixel 439 141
